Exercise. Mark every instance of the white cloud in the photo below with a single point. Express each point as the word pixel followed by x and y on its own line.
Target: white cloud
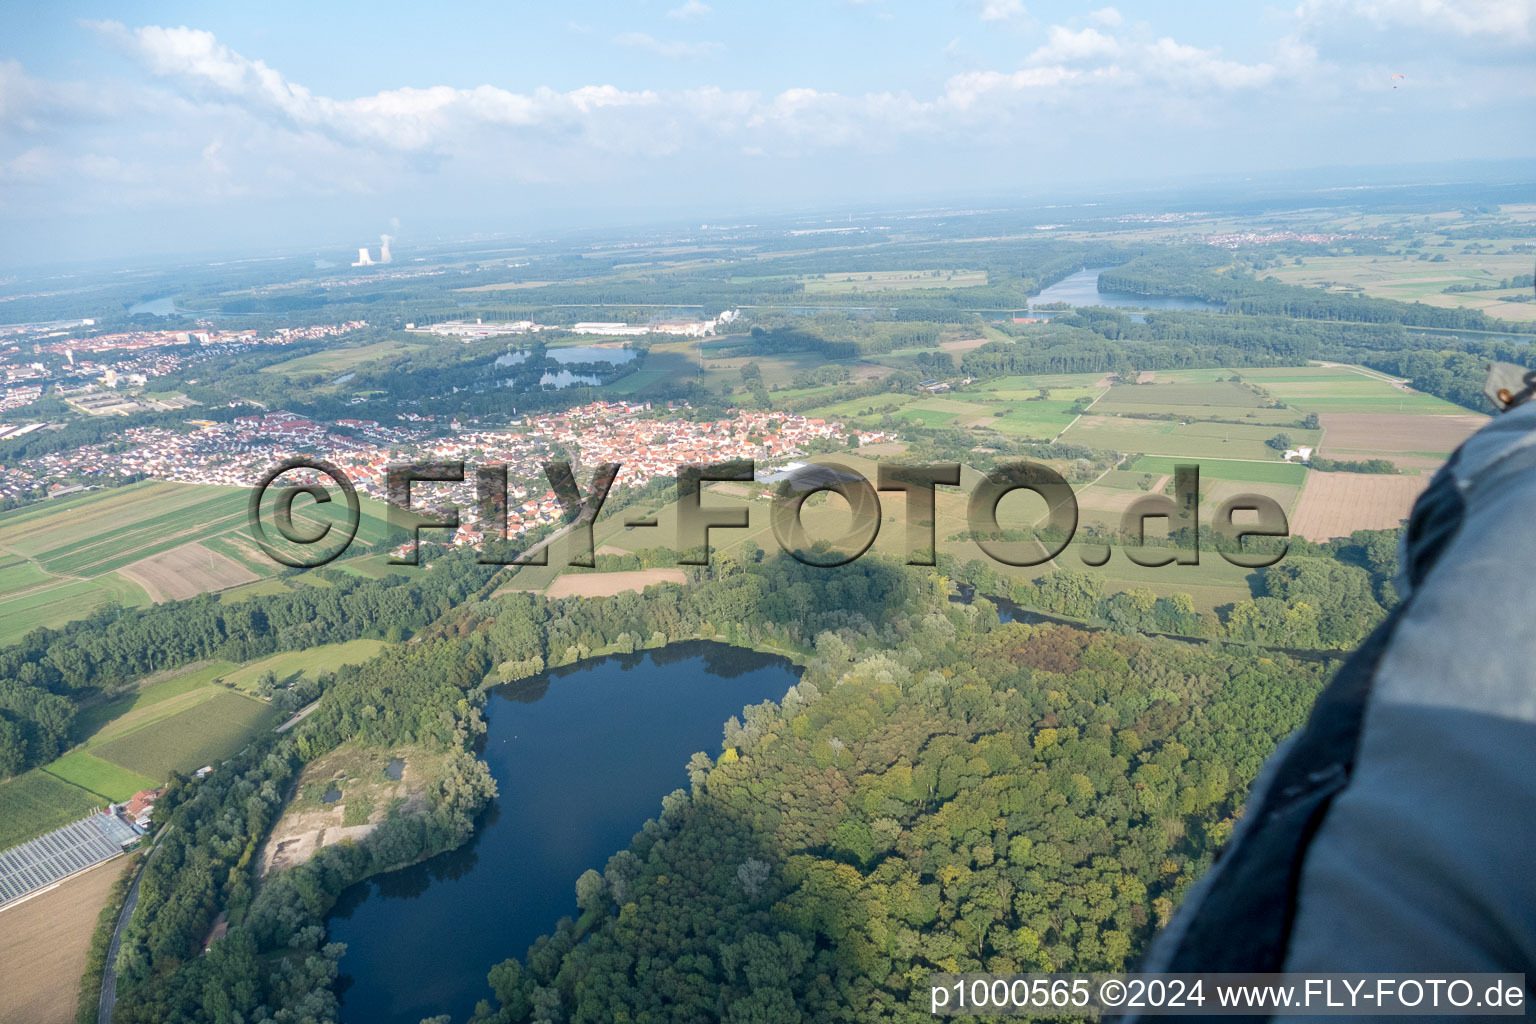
pixel 1094 78
pixel 1175 62
pixel 1107 16
pixel 1512 21
pixel 31 104
pixel 1065 45
pixel 42 164
pixel 690 10
pixel 1002 10
pixel 672 49
pixel 965 90
pixel 406 119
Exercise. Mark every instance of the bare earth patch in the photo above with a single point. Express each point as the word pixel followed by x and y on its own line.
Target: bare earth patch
pixel 883 448
pixel 607 584
pixel 1337 504
pixel 353 774
pixel 186 571
pixel 44 942
pixel 963 344
pixel 1353 435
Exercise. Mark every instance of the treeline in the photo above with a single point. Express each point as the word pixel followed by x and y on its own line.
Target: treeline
pixel 1324 465
pixel 840 337
pixel 46 676
pixel 448 380
pixel 274 963
pixel 940 793
pixel 1091 342
pixel 1518 281
pixel 1319 597
pixel 1189 273
pixel 1104 341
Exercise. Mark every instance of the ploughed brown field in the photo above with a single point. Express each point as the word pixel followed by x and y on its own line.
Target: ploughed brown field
pixel 963 344
pixel 186 571
pixel 44 942
pixel 1336 504
pixel 607 584
pixel 1360 435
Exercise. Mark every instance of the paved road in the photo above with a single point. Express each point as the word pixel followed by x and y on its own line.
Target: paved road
pixel 296 719
pixel 109 973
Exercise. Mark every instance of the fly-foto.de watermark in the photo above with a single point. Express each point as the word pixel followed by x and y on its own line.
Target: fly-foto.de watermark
pixel 1238 518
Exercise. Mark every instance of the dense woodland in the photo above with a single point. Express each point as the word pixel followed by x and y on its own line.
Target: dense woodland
pixel 938 793
pixel 1192 273
pixel 1318 597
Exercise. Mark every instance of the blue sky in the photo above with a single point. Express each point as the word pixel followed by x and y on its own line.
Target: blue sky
pixel 182 127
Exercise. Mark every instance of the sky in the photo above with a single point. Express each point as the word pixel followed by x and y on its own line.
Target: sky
pixel 188 128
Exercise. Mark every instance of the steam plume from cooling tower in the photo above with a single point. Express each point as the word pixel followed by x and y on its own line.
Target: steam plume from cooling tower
pixel 384 241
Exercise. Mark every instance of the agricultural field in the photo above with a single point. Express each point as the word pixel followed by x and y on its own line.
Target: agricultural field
pixel 186 571
pixel 1197 439
pixel 1212 583
pixel 1220 424
pixel 101 531
pixel 152 692
pixel 1410 279
pixel 103 778
pixel 44 942
pixel 1255 472
pixel 889 280
pixel 1170 396
pixel 35 802
pixel 957 347
pixel 177 720
pixel 63 600
pixel 340 360
pixel 1411 442
pixel 667 361
pixel 1336 504
pixel 607 584
pixel 1009 405
pixel 206 733
pixel 1330 388
pixel 310 662
pixel 146 542
pixel 151 541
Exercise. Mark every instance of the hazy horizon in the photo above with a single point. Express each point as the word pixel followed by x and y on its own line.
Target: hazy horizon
pixel 200 131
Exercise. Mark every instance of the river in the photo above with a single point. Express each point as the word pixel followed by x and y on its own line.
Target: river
pixel 582 756
pixel 1082 289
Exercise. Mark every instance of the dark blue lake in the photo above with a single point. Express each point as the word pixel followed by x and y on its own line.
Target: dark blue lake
pixel 582 756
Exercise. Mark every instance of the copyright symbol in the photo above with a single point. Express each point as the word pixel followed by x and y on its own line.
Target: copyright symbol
pixel 283 513
pixel 1112 993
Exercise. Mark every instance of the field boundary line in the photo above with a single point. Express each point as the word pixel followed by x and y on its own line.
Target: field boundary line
pixel 61 881
pixel 1080 415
